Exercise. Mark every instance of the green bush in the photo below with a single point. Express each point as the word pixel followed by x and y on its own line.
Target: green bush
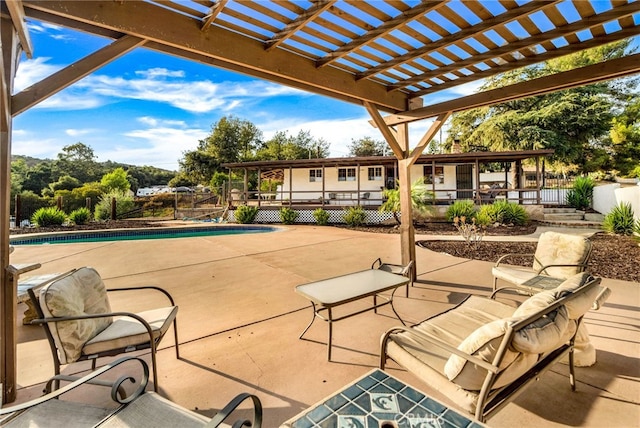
pixel 49 216
pixel 580 196
pixel 512 213
pixel 287 215
pixel 484 216
pixel 620 220
pixel 80 216
pixel 321 216
pixel 355 216
pixel 124 204
pixel 245 214
pixel 462 208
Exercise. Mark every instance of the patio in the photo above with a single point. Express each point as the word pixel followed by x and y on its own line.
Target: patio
pixel 239 322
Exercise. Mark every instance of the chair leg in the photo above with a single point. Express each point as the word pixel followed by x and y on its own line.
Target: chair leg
pixel 175 335
pixel 572 371
pixel 154 366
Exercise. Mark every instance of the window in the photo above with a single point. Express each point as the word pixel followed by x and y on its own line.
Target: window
pixel 428 176
pixel 346 174
pixel 375 173
pixel 315 175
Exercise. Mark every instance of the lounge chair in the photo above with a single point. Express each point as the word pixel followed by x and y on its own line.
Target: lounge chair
pixel 483 353
pixel 80 325
pixel 136 409
pixel 404 270
pixel 557 257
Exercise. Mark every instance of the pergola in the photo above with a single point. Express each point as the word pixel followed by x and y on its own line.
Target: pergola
pixel 383 55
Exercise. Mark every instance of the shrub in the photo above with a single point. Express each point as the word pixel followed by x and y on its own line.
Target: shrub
pixel 355 216
pixel 287 215
pixel 471 232
pixel 620 220
pixel 245 214
pixel 513 213
pixel 49 216
pixel 80 216
pixel 581 196
pixel 484 216
pixel 124 204
pixel 321 216
pixel 462 208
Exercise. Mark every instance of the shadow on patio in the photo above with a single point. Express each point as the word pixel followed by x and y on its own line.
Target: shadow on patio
pixel 239 322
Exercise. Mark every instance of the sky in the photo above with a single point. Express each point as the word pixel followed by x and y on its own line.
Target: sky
pixel 148 108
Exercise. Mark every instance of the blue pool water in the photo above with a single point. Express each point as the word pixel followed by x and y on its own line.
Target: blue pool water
pixel 137 234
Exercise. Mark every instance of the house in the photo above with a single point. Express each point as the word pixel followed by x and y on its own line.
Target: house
pixel 332 183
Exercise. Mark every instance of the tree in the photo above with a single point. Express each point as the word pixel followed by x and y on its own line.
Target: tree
pixel 116 180
pixel 421 200
pixel 367 146
pixel 66 182
pixel 572 122
pixel 282 146
pixel 625 139
pixel 78 160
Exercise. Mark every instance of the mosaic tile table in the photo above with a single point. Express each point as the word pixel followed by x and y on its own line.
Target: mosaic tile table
pixel 378 400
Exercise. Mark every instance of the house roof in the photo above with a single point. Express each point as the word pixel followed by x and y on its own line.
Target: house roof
pixel 440 159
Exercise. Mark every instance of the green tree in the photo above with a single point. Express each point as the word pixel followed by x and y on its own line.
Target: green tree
pixel 39 176
pixel 78 160
pixel 66 182
pixel 367 146
pixel 116 180
pixel 625 138
pixel 572 122
pixel 19 171
pixel 283 146
pixel 421 200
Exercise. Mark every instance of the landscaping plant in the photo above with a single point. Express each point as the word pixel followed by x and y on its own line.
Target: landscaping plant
pixel 421 200
pixel 581 196
pixel 124 204
pixel 620 220
pixel 471 232
pixel 48 216
pixel 355 216
pixel 461 208
pixel 245 214
pixel 321 216
pixel 80 216
pixel 287 215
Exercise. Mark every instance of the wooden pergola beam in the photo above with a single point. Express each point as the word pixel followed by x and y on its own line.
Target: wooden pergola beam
pixel 16 10
pixel 67 76
pixel 214 11
pixel 298 23
pixel 611 69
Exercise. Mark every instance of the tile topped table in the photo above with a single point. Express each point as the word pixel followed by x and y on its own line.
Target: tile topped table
pixel 379 400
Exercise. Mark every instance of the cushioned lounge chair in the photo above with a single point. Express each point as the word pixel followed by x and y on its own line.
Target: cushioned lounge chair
pixel 557 257
pixel 80 325
pixel 482 353
pixel 136 409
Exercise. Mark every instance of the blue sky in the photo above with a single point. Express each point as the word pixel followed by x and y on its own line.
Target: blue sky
pixel 147 108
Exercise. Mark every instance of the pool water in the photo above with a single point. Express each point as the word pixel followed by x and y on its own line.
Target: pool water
pixel 138 234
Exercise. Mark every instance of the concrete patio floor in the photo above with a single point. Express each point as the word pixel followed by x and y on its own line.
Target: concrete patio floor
pixel 239 322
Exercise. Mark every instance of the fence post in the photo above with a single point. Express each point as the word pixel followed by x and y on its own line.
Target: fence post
pixel 18 211
pixel 113 209
pixel 87 203
pixel 59 203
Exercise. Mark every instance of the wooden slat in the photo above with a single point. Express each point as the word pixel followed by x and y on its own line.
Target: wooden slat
pixel 214 11
pixel 301 21
pixel 521 44
pixel 16 11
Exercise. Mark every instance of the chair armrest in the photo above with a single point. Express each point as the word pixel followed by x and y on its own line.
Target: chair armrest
pixel 146 287
pixel 439 343
pixel 512 255
pixel 232 405
pixel 87 380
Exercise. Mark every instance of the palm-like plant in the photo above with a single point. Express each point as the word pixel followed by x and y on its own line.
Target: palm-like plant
pixel 422 199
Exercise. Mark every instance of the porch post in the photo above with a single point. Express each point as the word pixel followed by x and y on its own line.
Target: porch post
pixel 477 176
pixel 246 186
pixel 323 186
pixel 538 180
pixel 9 55
pixel 259 186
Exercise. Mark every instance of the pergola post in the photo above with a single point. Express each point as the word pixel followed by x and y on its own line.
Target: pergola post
pixel 8 60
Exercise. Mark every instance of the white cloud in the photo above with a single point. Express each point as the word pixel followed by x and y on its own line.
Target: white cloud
pixel 152 121
pixel 27 144
pixel 78 132
pixel 160 72
pixel 32 71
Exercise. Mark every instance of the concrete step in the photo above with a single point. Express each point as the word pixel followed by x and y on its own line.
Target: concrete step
pixel 561 210
pixel 564 217
pixel 572 224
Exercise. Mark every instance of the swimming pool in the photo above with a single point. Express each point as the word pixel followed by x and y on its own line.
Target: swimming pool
pixel 137 234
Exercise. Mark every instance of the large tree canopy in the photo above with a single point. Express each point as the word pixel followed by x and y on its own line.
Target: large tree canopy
pixel 367 146
pixel 573 122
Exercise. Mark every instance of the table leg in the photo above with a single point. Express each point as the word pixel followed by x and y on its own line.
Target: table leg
pixel 313 318
pixel 330 322
pixel 393 308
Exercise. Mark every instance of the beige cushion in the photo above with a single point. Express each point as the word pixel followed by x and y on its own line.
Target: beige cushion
pixel 578 306
pixel 80 293
pixel 484 343
pixel 544 334
pixel 558 248
pixel 128 331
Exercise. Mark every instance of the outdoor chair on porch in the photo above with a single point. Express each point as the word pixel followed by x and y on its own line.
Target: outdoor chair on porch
pixel 557 257
pixel 80 325
pixel 404 270
pixel 131 405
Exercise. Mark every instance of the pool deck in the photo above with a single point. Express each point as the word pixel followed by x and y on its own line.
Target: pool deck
pixel 239 322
